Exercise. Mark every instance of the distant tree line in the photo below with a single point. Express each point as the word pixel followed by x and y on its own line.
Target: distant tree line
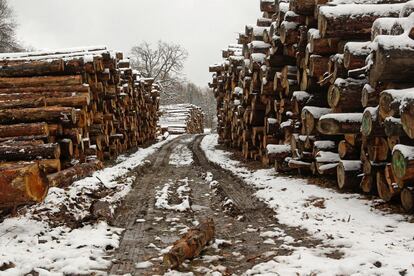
pixel 165 62
pixel 8 41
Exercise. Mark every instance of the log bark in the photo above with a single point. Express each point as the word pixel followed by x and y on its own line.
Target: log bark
pixel 21 183
pixel 40 81
pixel 340 123
pixel 344 95
pixel 348 174
pixel 191 244
pixel 66 177
pixel 310 116
pixel 340 22
pixel 45 114
pixel 407 199
pixel 35 129
pixel 19 151
pixel 33 68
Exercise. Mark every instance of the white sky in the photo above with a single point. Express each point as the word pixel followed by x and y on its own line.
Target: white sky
pixel 203 27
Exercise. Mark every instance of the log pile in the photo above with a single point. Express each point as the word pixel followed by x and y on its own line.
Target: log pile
pixel 181 118
pixel 63 112
pixel 325 88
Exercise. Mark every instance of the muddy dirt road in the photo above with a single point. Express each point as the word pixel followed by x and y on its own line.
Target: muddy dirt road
pixel 180 188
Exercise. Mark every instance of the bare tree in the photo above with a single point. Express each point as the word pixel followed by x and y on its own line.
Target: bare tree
pixel 8 41
pixel 164 63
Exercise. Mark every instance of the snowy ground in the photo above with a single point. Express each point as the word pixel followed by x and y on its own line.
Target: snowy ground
pixel 29 244
pixel 364 240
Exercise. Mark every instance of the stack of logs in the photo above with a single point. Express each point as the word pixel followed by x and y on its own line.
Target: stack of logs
pixel 325 88
pixel 64 112
pixel 181 118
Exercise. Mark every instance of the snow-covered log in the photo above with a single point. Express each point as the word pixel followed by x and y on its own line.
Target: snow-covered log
pixel 340 123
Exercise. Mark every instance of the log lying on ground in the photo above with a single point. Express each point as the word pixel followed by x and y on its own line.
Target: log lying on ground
pixel 21 183
pixel 191 244
pixel 66 177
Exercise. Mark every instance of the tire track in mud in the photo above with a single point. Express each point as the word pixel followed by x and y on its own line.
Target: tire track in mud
pixel 149 230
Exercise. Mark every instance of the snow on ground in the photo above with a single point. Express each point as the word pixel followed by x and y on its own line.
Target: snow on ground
pixel 181 154
pixel 28 243
pixel 373 242
pixel 162 196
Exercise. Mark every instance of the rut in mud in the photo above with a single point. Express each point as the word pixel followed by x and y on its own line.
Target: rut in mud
pixel 177 190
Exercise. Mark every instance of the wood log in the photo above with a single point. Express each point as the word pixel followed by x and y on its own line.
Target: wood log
pixel 278 152
pixel 348 174
pixel 310 116
pixel 304 7
pixel 392 61
pixel 403 163
pixel 21 183
pixel 347 151
pixel 377 149
pixel 191 244
pixel 340 123
pixel 371 125
pixel 407 199
pixel 342 95
pixel 18 151
pixel 66 177
pixel 390 101
pixel 45 114
pixel 40 81
pixel 35 129
pixel 23 103
pixel 42 89
pixel 407 117
pixel 33 68
pixel 383 188
pixel 369 96
pixel 348 22
pixel 355 54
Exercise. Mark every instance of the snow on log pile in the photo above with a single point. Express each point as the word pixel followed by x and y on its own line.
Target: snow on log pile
pixel 181 118
pixel 62 112
pixel 326 88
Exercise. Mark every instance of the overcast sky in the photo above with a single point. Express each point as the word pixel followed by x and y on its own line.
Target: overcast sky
pixel 203 27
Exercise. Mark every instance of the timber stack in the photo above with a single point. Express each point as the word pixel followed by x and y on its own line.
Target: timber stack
pixel 325 88
pixel 181 118
pixel 63 112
